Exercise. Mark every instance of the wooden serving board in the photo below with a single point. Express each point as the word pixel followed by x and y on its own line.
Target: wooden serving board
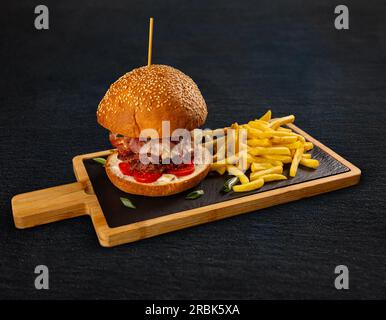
pixel 93 194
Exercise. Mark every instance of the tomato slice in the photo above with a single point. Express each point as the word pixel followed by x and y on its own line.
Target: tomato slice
pixel 183 170
pixel 146 177
pixel 125 168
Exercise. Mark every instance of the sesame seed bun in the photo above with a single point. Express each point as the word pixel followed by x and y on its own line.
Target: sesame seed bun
pixel 154 189
pixel 146 96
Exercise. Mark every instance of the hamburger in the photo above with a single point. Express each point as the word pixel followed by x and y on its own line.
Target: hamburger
pixel 142 100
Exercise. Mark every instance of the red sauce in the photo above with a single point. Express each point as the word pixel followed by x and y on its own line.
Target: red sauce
pixel 148 177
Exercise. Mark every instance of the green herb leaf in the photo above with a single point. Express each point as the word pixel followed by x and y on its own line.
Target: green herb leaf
pixel 194 194
pixel 118 135
pixel 100 160
pixel 127 203
pixel 229 184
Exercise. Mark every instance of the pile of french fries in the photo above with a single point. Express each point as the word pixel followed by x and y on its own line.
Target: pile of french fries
pixel 269 146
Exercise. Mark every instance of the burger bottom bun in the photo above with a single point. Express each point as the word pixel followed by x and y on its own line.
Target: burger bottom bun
pixel 154 189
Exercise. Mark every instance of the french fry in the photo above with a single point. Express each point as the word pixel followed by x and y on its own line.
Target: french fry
pixel 273 133
pixel 296 160
pixel 260 166
pixel 284 140
pixel 301 138
pixel 273 177
pixel 309 163
pixel 216 166
pixel 260 125
pixel 265 134
pixel 283 129
pixel 254 133
pixel 269 150
pixel 258 174
pixel 284 134
pixel 266 148
pixel 278 157
pixel 281 121
pixel 258 143
pixel 267 116
pixel 220 170
pixel 250 158
pixel 278 133
pixel 235 126
pixel 243 179
pixel 263 160
pixel 290 146
pixel 234 171
pixel 308 146
pixel 253 185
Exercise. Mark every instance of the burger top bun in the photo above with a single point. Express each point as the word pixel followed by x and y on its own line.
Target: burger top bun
pixel 146 96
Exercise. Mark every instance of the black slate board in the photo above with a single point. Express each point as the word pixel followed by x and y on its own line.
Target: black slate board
pixel 148 207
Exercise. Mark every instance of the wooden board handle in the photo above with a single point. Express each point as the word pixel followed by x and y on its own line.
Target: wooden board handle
pixel 49 205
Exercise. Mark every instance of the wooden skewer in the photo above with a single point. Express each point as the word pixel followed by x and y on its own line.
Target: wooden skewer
pixel 150 42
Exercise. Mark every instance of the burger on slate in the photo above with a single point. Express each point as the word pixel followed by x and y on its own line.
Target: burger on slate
pixel 143 99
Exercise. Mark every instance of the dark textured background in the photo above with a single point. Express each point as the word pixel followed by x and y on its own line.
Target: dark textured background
pixel 245 56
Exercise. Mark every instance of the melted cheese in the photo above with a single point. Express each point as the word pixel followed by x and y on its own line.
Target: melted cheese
pixel 167 177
